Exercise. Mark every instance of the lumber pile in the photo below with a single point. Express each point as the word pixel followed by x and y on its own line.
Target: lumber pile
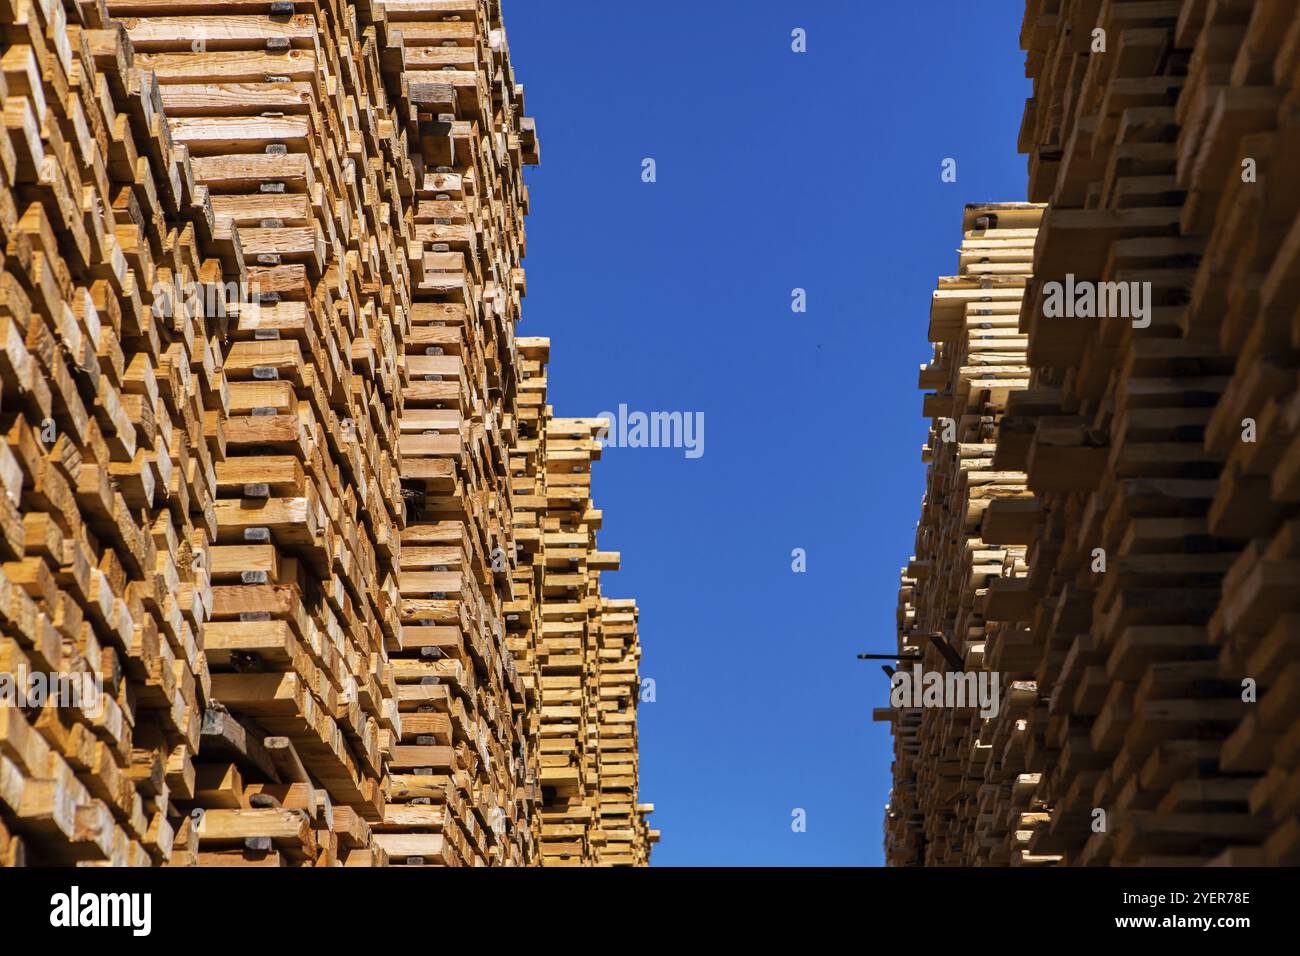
pixel 587 678
pixel 575 650
pixel 524 623
pixel 951 802
pixel 114 406
pixel 620 835
pixel 1158 615
pixel 304 573
pixel 262 404
pixel 567 653
pixel 461 769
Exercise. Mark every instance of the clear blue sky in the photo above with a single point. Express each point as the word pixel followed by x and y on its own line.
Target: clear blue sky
pixel 776 170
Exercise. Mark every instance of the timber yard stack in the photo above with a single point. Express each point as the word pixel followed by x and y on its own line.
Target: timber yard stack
pixel 301 708
pixel 620 833
pixel 462 775
pixel 951 802
pixel 528 491
pixel 262 401
pixel 566 654
pixel 110 491
pixel 577 651
pixel 1160 436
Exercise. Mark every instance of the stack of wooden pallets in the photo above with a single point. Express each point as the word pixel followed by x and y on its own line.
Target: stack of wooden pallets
pixel 1156 618
pixel 263 410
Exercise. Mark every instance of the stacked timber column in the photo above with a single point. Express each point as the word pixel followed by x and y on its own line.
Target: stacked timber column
pixel 1160 438
pixel 273 104
pixel 958 796
pixel 1161 446
pixel 567 656
pixel 109 410
pixel 564 657
pixel 621 833
pixel 524 612
pixel 576 650
pixel 275 467
pixel 460 791
pixel 1156 624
